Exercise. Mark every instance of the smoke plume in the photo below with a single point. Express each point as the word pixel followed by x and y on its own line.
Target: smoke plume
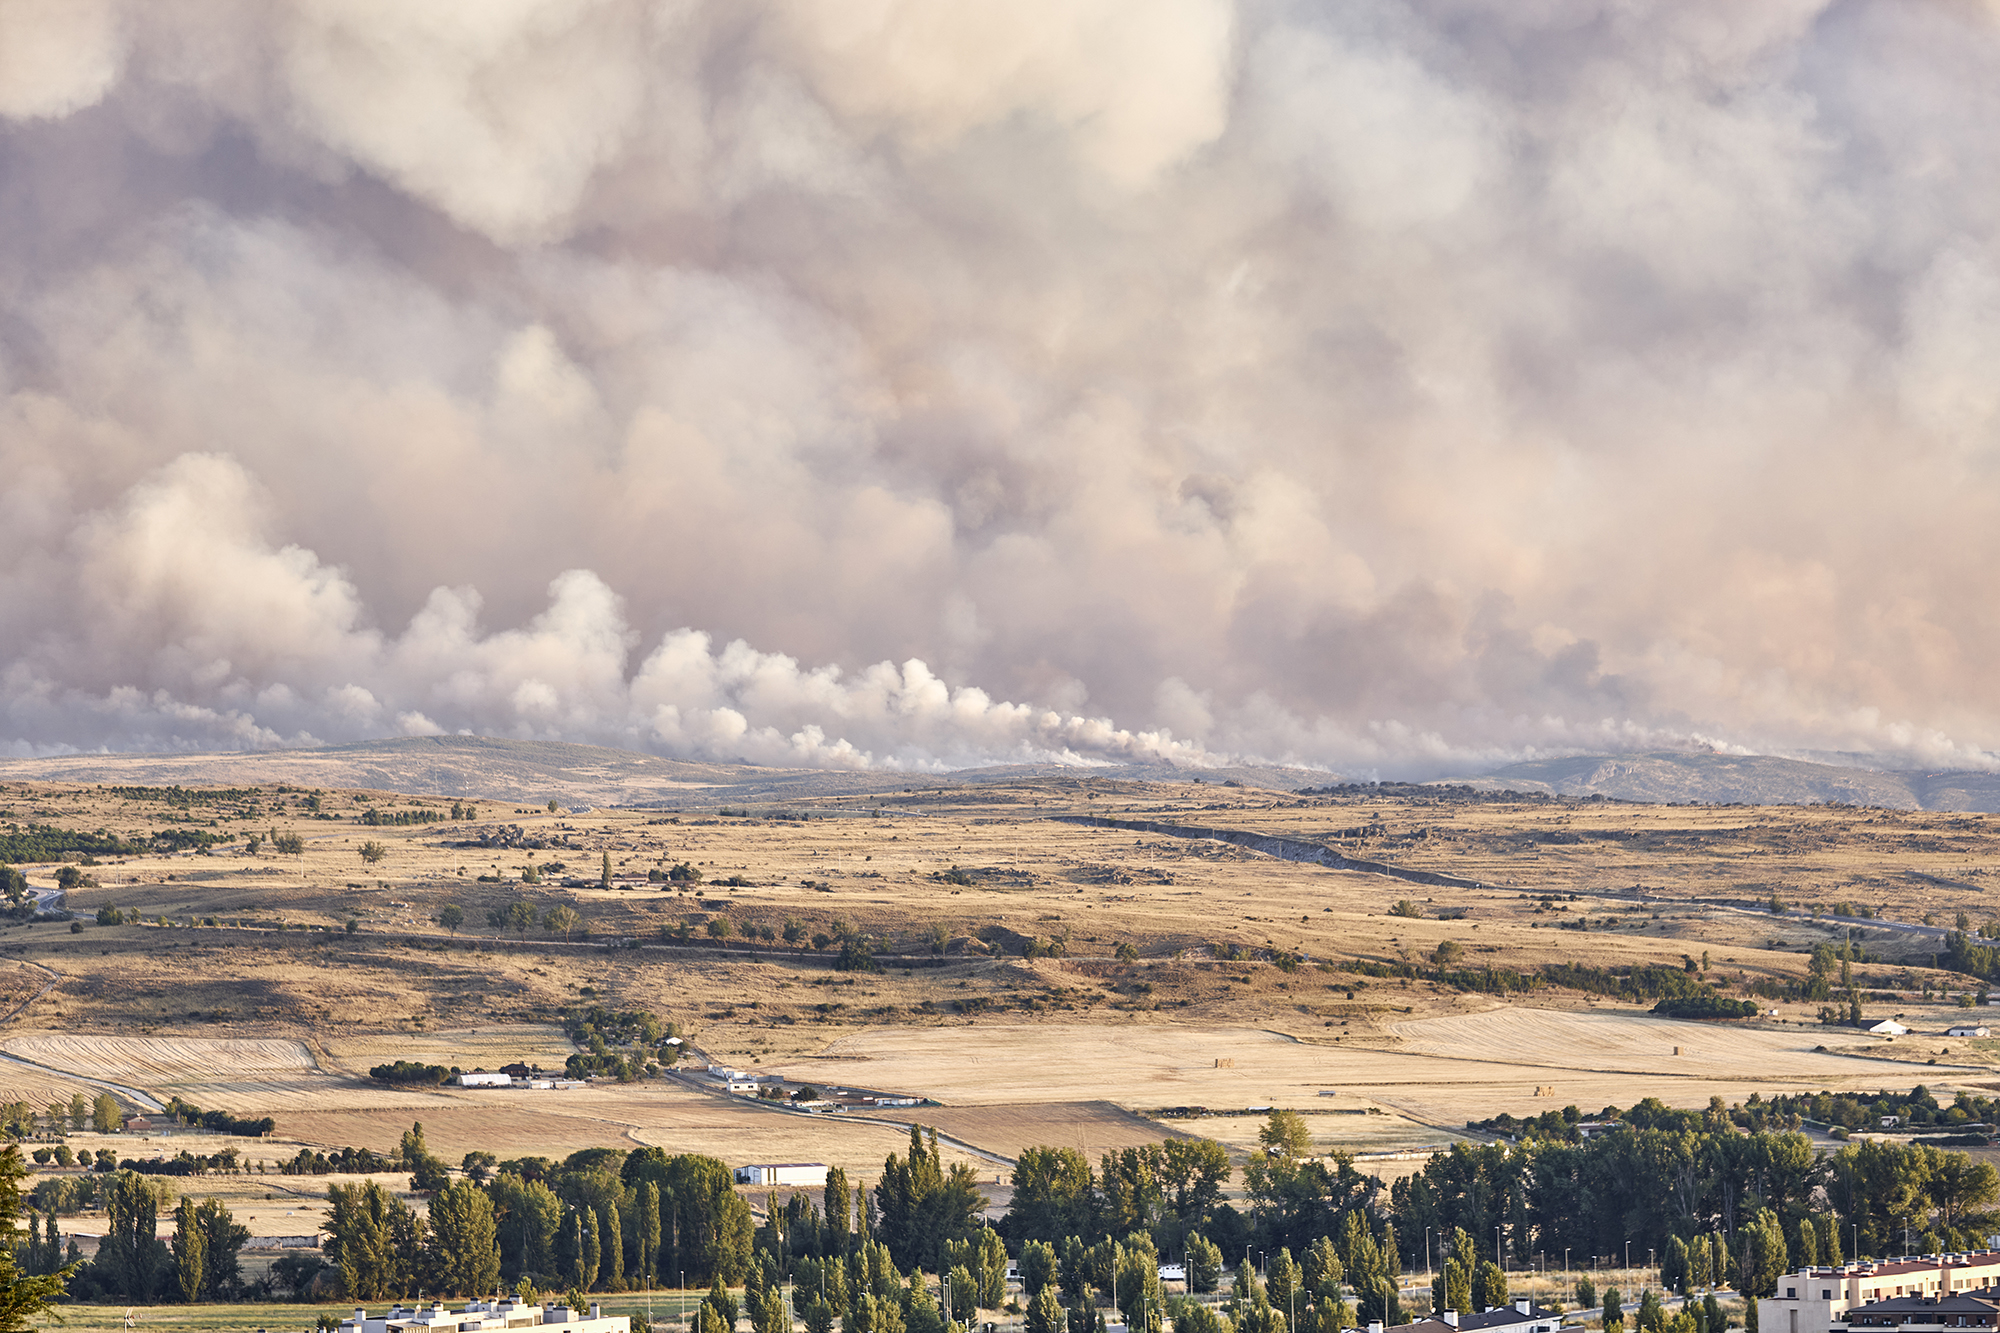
pixel 1386 387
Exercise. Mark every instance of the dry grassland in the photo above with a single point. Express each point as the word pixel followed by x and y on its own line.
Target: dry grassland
pixel 1010 1045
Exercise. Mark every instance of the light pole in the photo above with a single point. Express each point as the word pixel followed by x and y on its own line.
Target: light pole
pixel 1427 1254
pixel 1628 1259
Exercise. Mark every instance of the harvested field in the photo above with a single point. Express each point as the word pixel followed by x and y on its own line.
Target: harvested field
pixel 38 1087
pixel 1595 1041
pixel 1092 1128
pixel 248 1076
pixel 467 1048
pixel 667 1115
pixel 1470 1068
pixel 163 1060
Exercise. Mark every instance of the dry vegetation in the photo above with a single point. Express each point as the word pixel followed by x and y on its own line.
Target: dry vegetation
pixel 1020 1050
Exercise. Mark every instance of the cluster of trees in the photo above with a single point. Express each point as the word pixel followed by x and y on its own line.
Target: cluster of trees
pixel 199 1262
pixel 411 1071
pixel 185 1163
pixel 1852 1110
pixel 222 1122
pixel 600 1220
pixel 1708 1005
pixel 1665 1175
pixel 374 818
pixel 21 1119
pixel 521 917
pixel 342 1161
pixel 857 950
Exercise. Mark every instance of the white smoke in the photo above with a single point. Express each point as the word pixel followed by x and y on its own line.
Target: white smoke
pixel 1384 387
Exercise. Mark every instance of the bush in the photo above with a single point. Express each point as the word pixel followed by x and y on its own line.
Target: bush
pixel 409 1071
pixel 1710 1005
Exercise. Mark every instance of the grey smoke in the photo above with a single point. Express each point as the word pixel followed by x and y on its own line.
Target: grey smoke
pixel 1388 387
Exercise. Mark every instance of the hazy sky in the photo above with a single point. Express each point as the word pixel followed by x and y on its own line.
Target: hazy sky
pixel 1399 388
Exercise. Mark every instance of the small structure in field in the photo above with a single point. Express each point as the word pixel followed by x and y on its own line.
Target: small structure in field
pixel 1889 1027
pixel 480 1078
pixel 1966 1030
pixel 782 1173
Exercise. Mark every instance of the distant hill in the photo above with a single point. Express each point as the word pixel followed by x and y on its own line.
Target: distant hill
pixel 532 772
pixel 1722 779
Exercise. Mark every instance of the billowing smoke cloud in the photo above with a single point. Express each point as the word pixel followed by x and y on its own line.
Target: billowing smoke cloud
pixel 1393 388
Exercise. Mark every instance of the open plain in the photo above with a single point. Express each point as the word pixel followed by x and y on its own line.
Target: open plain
pixel 1055 958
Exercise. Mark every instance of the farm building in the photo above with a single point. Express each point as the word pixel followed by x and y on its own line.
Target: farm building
pixel 1889 1027
pixel 782 1173
pixel 480 1078
pixel 1965 1030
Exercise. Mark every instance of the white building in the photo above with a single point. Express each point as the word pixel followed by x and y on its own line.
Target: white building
pixel 1812 1300
pixel 504 1313
pixel 1889 1027
pixel 1965 1030
pixel 479 1078
pixel 782 1173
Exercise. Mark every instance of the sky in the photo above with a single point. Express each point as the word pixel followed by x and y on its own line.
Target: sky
pixel 1398 389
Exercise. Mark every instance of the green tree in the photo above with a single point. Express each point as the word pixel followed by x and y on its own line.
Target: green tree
pixel 465 1253
pixel 1652 1316
pixel 649 1231
pixel 131 1259
pixel 519 917
pixel 1045 1313
pixel 1586 1292
pixel 105 1116
pixel 373 1238
pixel 1037 1267
pixel 1455 1293
pixel 1054 1191
pixel 1285 1135
pixel 373 852
pixel 923 1205
pixel 1767 1254
pixel 817 1314
pixel 768 1313
pixel 1192 1173
pixel 1614 1310
pixel 190 1249
pixel 562 919
pixel 451 917
pixel 1321 1270
pixel 25 1299
pixel 1191 1316
pixel 707 1226
pixel 1204 1264
pixel 528 1216
pixel 1282 1281
pixel 590 1262
pixel 1489 1286
pixel 722 1303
